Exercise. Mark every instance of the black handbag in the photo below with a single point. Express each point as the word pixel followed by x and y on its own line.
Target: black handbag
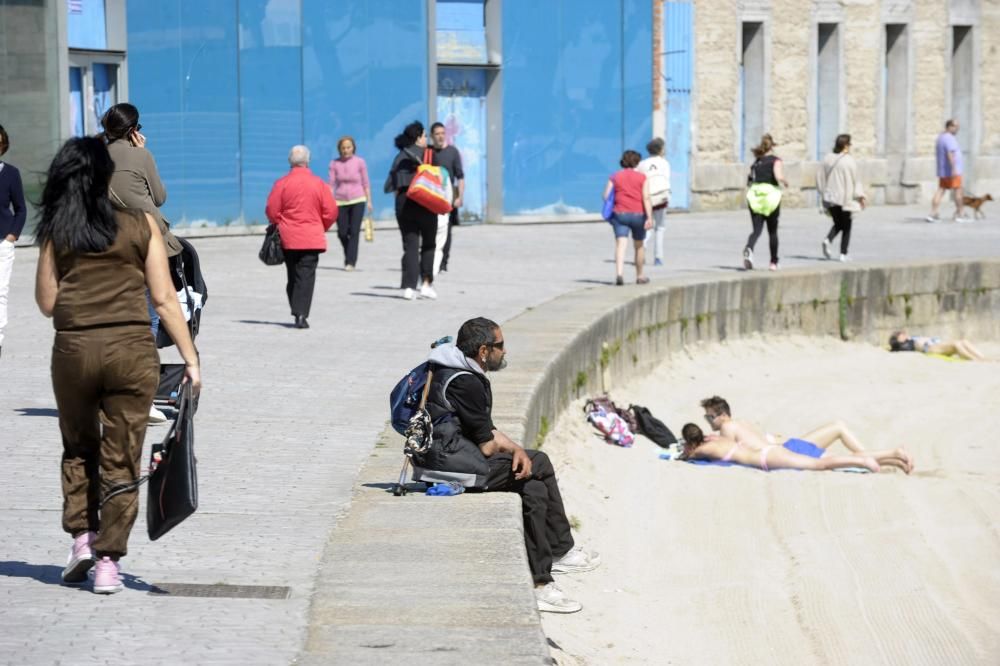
pixel 271 252
pixel 173 477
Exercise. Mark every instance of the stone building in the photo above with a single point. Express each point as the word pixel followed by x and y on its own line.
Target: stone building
pixel 888 72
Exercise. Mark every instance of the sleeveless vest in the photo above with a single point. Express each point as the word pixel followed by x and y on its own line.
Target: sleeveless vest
pixel 451 456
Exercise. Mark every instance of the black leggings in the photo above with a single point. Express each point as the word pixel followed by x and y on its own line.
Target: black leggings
pixel 758 221
pixel 418 228
pixel 841 225
pixel 349 229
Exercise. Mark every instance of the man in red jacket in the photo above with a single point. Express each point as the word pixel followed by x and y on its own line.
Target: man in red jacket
pixel 302 206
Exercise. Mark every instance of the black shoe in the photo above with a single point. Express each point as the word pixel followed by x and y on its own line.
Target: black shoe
pixel 619 281
pixel 300 322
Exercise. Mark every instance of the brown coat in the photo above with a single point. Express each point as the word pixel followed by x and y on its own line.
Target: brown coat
pixel 136 184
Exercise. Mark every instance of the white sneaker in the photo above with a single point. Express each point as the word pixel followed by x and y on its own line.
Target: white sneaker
pixel 409 294
pixel 427 291
pixel 575 561
pixel 826 248
pixel 156 416
pixel 844 259
pixel 932 219
pixel 552 600
pixel 962 220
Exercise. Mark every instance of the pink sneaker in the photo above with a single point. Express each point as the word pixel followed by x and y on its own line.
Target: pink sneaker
pixel 81 558
pixel 107 577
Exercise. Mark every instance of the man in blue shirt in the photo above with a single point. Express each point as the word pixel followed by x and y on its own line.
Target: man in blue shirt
pixel 949 170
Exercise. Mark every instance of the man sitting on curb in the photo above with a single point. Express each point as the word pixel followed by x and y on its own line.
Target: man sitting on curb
pixel 459 387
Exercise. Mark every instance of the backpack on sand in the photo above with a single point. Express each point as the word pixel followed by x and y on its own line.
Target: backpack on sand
pixel 652 427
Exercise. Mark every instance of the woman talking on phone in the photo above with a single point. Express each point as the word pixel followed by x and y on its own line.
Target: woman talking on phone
pixel 135 184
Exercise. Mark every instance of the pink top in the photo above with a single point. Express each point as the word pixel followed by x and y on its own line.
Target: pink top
pixel 349 179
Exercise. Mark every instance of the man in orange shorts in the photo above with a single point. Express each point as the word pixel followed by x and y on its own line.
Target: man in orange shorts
pixel 949 171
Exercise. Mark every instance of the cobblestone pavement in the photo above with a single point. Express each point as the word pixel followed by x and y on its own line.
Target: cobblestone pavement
pixel 288 416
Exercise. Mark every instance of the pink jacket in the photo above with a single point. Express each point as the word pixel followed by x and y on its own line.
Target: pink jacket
pixel 349 178
pixel 301 205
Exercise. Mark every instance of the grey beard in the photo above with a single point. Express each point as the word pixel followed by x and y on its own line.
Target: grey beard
pixel 498 366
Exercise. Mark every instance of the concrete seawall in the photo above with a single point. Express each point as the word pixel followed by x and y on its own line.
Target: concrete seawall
pixel 588 341
pixel 447 578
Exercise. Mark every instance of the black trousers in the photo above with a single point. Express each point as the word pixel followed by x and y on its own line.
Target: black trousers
pixel 418 227
pixel 301 268
pixel 446 251
pixel 841 225
pixel 547 534
pixel 759 221
pixel 349 220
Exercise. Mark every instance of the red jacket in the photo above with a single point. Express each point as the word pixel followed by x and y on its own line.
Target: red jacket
pixel 302 206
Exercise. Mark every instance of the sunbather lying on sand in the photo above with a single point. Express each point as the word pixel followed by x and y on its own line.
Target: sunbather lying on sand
pixel 813 444
pixel 774 456
pixel 901 341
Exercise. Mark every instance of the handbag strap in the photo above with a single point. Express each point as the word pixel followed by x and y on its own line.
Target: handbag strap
pixel 428 156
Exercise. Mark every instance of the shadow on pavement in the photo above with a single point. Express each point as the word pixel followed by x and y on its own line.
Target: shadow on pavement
pixel 37 411
pixel 52 575
pixel 396 296
pixel 265 323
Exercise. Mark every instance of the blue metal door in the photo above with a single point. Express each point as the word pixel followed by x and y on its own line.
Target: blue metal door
pixel 677 31
pixel 461 107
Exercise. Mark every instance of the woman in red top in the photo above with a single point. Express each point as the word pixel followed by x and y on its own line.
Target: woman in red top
pixel 302 206
pixel 633 213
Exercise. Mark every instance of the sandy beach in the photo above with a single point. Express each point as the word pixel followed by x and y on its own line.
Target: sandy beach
pixel 711 565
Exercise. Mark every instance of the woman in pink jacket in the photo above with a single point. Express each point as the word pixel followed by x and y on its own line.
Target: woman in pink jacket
pixel 301 205
pixel 353 194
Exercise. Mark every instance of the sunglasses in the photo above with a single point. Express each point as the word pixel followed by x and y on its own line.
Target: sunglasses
pixel 495 345
pixel 138 128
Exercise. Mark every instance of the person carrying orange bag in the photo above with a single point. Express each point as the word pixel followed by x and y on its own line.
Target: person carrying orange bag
pixel 431 186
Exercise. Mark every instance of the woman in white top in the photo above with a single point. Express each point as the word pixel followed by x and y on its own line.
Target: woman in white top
pixel 841 192
pixel 657 170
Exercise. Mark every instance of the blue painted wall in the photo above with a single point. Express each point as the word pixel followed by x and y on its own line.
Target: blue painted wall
pixel 226 88
pixel 576 93
pixel 364 75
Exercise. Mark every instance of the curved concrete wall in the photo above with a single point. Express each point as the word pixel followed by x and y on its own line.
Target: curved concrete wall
pixel 448 578
pixel 592 340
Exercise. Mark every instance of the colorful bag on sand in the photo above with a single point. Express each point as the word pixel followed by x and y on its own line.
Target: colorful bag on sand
pixel 431 186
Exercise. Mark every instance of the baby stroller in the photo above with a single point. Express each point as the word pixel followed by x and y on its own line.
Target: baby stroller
pixel 185 270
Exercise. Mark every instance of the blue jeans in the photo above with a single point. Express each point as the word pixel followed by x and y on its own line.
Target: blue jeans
pixel 624 223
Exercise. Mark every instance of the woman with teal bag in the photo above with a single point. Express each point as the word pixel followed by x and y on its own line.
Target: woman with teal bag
pixel 764 199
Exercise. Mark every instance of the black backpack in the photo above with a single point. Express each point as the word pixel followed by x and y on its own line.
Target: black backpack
pixel 652 427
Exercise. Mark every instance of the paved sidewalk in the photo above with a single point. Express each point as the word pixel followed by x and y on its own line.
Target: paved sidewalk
pixel 288 417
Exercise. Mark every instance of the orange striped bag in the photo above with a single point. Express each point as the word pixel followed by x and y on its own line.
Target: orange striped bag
pixel 431 186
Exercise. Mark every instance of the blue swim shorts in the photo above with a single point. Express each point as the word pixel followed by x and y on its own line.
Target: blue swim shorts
pixel 803 447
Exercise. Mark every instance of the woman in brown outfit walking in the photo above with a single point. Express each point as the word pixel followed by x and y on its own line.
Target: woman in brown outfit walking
pixel 94 267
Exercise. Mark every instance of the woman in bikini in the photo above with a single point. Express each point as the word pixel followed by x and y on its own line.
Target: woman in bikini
pixel 902 341
pixel 774 456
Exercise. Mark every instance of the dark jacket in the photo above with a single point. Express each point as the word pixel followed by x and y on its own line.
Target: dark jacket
pixel 454 454
pixel 12 209
pixel 404 168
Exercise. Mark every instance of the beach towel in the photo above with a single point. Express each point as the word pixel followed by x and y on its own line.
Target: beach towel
pixel 794 445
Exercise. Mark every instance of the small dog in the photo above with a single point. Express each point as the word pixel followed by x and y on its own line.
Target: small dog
pixel 975 203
